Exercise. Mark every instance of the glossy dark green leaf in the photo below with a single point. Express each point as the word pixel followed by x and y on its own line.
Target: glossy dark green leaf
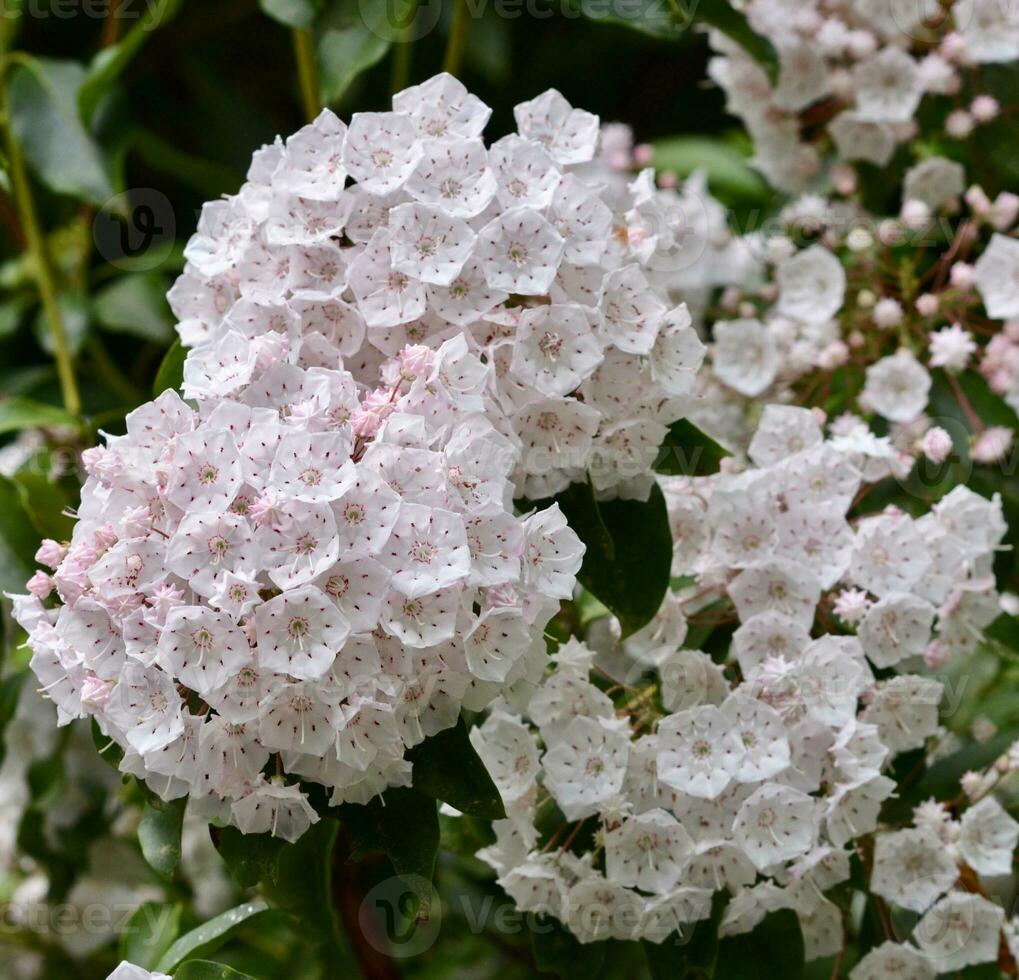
pixel 149 933
pixel 558 951
pixel 45 121
pixel 447 768
pixel 10 691
pixel 159 834
pixel 293 13
pixel 209 936
pixel 727 169
pixel 773 949
pixel 136 305
pixel 691 953
pixel 404 825
pixel 171 371
pixel 628 560
pixel 109 751
pixel 18 539
pixel 23 413
pixel 673 20
pixel 687 451
pixel 351 37
pixel 46 502
pixel 207 970
pixel 250 858
pixel 303 880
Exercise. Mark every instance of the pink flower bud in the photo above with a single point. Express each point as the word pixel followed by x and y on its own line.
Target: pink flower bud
pixel 962 275
pixel 40 585
pixel 936 445
pixel 915 214
pixel 927 304
pixel 984 108
pixel 959 124
pixel 51 553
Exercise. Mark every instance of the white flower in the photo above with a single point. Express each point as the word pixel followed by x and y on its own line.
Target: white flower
pixel 935 181
pixel 745 357
pixel 569 134
pixel 649 851
pixel 951 348
pixel 888 86
pixel 988 837
pixel 959 931
pixel 896 627
pixel 776 823
pixel 997 277
pixel 894 961
pixel 698 752
pixel 897 387
pixel 812 285
pixel 585 767
pixel 128 971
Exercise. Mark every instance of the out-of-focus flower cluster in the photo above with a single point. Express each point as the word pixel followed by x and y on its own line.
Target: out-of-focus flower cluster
pixel 760 771
pixel 560 270
pixel 857 72
pixel 902 303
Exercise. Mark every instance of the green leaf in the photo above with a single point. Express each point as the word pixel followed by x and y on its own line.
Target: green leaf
pixel 207 938
pixel 149 933
pixel 18 540
pixel 45 501
pixel 687 451
pixel 136 305
pixel 352 37
pixel 171 370
pixel 293 13
pixel 404 824
pixel 303 882
pixel 45 122
pixel 628 560
pixel 159 835
pixel 558 951
pixel 447 768
pixel 682 956
pixel 109 751
pixel 10 691
pixel 11 312
pixel 773 949
pixel 729 175
pixel 721 15
pixel 651 17
pixel 23 413
pixel 109 64
pixel 250 858
pixel 207 970
pixel 672 20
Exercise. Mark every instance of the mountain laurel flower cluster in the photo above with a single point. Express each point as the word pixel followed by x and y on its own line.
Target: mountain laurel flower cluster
pixel 562 273
pixel 268 589
pixel 760 772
